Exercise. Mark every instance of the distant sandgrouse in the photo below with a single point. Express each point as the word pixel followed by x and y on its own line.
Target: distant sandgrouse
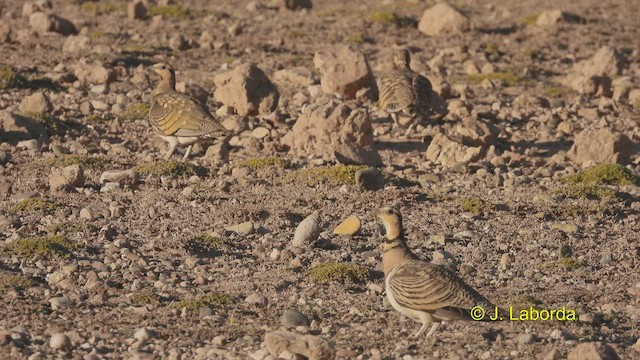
pixel 179 119
pixel 405 93
pixel 424 292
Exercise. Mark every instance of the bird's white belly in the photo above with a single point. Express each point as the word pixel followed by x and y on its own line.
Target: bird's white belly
pixel 413 314
pixel 182 140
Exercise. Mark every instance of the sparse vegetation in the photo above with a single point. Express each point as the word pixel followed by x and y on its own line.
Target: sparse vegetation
pixel 50 123
pixel 259 163
pixel 204 245
pixel 14 282
pixel 168 167
pixel 9 77
pixel 555 91
pixel 585 191
pixel 570 263
pixel 137 111
pixel 530 20
pixel 605 173
pixel 46 247
pixel 334 175
pixel 103 7
pixel 171 11
pixel 34 204
pixel 144 298
pixel 475 205
pixel 88 162
pixel 213 300
pixel 356 39
pixel 335 271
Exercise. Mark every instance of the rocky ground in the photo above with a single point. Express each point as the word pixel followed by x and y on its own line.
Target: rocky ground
pixel 108 251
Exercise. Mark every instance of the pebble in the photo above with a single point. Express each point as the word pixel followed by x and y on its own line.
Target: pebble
pixel 567 228
pixel 257 299
pixel 348 226
pixel 60 302
pixel 293 318
pixel 244 228
pixel 526 339
pixel 307 231
pixel 59 341
pixel 370 179
pixel 144 334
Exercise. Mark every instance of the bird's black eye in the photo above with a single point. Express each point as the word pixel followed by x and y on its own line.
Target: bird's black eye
pixel 163 67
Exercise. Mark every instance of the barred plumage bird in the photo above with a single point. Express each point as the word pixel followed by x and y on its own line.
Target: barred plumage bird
pixel 178 118
pixel 405 93
pixel 424 292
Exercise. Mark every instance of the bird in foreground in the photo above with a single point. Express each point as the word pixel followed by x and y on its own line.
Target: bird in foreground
pixel 178 118
pixel 405 93
pixel 424 292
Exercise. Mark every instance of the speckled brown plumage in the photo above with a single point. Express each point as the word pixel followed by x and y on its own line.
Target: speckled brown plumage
pixel 405 93
pixel 424 292
pixel 179 119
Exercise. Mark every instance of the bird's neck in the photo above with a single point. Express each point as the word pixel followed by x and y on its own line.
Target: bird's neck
pixel 164 86
pixel 394 253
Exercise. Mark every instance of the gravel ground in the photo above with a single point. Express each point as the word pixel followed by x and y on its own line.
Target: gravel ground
pixel 194 260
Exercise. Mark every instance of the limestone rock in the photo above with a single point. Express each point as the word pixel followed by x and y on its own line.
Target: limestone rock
pixel 443 19
pixel 593 351
pixel 44 22
pixel 447 152
pixel 594 75
pixel 596 145
pixel 348 226
pixel 76 44
pixel 66 178
pixel 476 132
pixel 35 103
pixel 93 73
pixel 330 129
pixel 312 347
pixel 307 231
pixel 370 179
pixel 343 71
pixel 247 90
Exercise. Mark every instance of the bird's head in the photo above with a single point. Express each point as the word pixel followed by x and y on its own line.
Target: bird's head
pixel 402 59
pixel 165 70
pixel 391 219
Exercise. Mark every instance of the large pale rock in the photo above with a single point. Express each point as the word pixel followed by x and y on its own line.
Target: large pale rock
pixel 307 231
pixel 593 145
pixel 35 103
pixel 76 43
pixel 66 178
pixel 343 71
pixel 247 90
pixel 447 152
pixel 16 127
pixel 552 17
pixel 594 75
pixel 443 19
pixel 476 132
pixel 312 347
pixel 44 22
pixel 93 73
pixel 333 130
pixel 593 351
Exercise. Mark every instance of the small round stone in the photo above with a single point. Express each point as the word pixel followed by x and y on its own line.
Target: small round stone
pixel 59 341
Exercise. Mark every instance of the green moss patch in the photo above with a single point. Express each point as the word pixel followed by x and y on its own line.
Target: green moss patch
pixel 585 191
pixel 475 205
pixel 333 175
pixel 168 168
pixel 34 204
pixel 87 162
pixel 259 163
pixel 144 298
pixel 171 11
pixel 335 271
pixel 136 111
pixel 570 263
pixel 605 173
pixel 209 300
pixel 47 247
pixel 204 245
pixel 530 20
pixel 556 91
pixel 15 282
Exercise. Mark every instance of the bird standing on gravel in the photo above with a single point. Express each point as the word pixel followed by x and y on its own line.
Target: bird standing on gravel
pixel 424 292
pixel 179 119
pixel 405 93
